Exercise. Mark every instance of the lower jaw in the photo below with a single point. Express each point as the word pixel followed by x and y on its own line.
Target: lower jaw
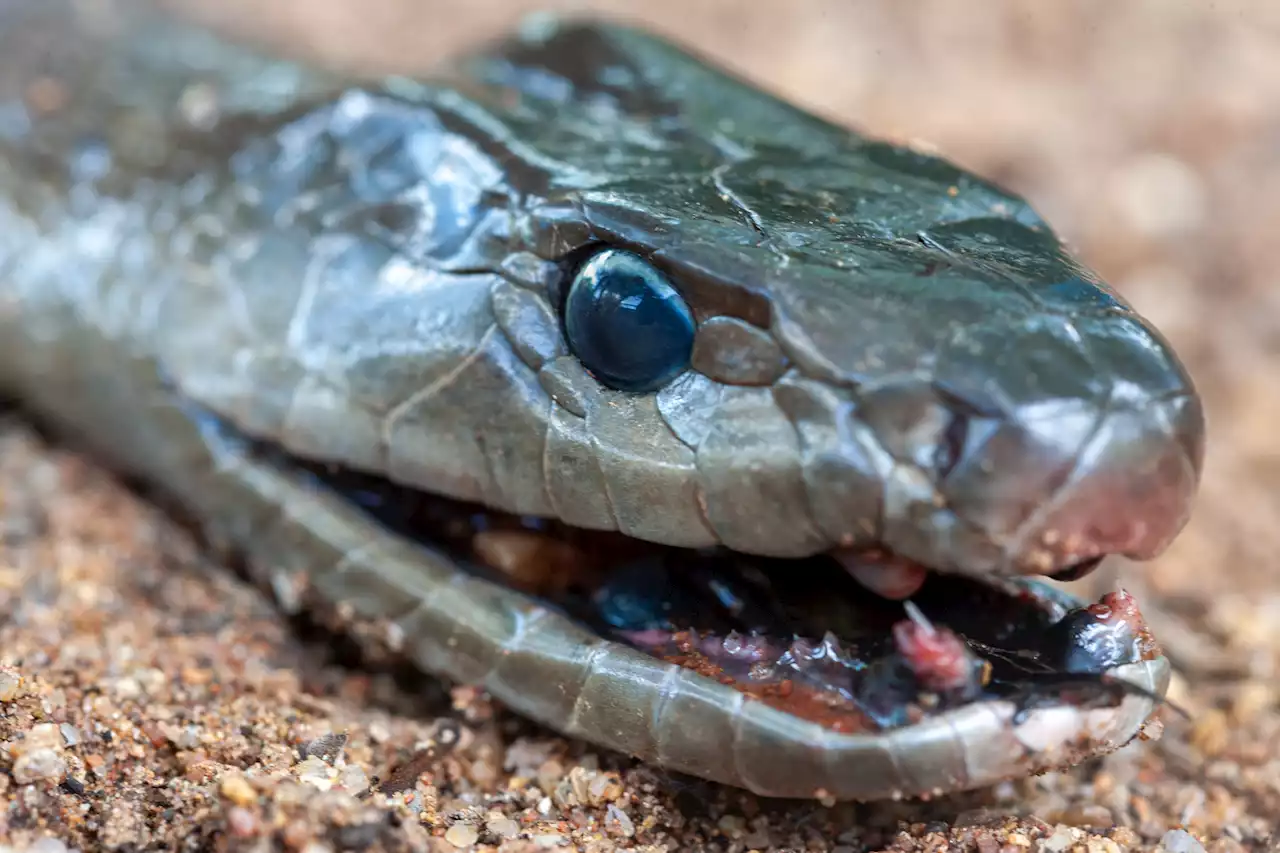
pixel 802 635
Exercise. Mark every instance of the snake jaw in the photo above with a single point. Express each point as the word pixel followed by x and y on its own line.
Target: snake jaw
pixel 804 636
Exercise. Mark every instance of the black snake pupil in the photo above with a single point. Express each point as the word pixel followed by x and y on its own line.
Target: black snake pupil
pixel 626 323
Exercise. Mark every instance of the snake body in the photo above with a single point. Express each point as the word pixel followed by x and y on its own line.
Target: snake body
pixel 203 251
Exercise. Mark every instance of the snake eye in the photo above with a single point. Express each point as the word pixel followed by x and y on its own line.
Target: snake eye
pixel 626 323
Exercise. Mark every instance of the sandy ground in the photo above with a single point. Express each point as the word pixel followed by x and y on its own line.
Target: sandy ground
pixel 149 701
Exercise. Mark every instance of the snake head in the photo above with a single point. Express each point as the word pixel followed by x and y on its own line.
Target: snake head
pixel 890 351
pixel 925 372
pixel 559 291
pixel 802 340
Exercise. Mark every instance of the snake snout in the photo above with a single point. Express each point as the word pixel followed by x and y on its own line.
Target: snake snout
pixel 1044 487
pixel 1078 464
pixel 1061 484
pixel 1129 490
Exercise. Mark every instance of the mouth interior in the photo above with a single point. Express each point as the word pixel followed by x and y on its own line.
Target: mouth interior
pixel 801 635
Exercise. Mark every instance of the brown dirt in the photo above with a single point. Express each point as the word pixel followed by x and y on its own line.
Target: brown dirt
pixel 148 700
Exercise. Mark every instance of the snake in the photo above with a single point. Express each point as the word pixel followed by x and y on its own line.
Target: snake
pixel 821 410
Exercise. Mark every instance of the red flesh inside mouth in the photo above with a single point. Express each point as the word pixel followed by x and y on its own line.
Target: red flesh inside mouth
pixel 883 573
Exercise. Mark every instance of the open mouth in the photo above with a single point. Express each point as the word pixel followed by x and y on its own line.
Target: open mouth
pixel 800 635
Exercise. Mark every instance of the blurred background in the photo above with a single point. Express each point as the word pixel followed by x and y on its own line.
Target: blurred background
pixel 1148 134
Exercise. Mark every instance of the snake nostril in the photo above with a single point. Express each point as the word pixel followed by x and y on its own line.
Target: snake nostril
pixel 951 444
pixel 1077 571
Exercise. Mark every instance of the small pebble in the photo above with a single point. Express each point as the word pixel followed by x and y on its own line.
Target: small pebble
pixel 353 779
pixel 617 822
pixel 604 788
pixel 10 685
pixel 37 765
pixel 327 747
pixel 126 688
pixel 237 789
pixel 41 736
pixel 1061 839
pixel 242 821
pixel 315 771
pixel 462 835
pixel 1180 841
pixel 502 827
pixel 732 825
